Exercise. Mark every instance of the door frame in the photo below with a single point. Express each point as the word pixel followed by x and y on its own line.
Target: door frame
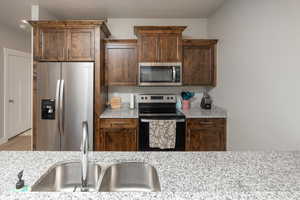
pixel 6 53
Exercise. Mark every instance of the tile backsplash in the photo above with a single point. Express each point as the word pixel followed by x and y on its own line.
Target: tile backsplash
pixel 124 92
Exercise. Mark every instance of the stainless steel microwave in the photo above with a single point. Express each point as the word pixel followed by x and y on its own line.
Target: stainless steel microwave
pixel 160 74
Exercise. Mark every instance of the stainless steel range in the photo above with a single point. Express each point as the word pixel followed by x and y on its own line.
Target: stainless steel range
pixel 159 107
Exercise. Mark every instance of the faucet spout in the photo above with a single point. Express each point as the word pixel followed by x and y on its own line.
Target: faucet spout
pixel 84 156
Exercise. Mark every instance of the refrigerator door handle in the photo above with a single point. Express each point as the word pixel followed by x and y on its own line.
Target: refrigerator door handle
pixel 57 104
pixel 61 107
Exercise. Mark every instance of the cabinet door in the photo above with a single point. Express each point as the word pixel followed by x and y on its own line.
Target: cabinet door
pixel 81 45
pixel 121 64
pixel 149 48
pixel 199 65
pixel 118 139
pixel 170 48
pixel 52 44
pixel 205 139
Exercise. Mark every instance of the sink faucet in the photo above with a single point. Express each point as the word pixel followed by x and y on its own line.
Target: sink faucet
pixel 84 156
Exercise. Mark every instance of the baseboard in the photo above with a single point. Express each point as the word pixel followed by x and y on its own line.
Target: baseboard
pixel 3 140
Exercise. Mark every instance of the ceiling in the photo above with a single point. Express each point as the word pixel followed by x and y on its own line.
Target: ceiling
pixel 131 8
pixel 13 11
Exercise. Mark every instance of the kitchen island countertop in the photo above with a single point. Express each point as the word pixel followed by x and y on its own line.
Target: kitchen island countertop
pixel 183 175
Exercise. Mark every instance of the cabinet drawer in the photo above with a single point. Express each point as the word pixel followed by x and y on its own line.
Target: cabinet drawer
pixel 206 123
pixel 118 123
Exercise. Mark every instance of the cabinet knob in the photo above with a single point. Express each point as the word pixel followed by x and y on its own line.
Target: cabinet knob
pixel 11 101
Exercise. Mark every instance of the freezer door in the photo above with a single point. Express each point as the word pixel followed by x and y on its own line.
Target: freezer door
pixel 48 80
pixel 76 104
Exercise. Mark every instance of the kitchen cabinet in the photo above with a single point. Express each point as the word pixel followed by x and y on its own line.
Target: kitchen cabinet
pixel 81 45
pixel 199 66
pixel 117 135
pixel 159 43
pixel 52 44
pixel 65 44
pixel 121 62
pixel 62 42
pixel 170 48
pixel 148 48
pixel 206 135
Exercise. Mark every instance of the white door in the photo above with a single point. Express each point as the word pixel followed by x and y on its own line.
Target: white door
pixel 17 92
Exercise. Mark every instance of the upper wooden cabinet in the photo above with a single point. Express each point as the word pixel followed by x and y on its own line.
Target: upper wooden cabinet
pixel 81 44
pixel 52 44
pixel 170 48
pixel 121 62
pixel 159 43
pixel 66 40
pixel 148 48
pixel 199 66
pixel 66 44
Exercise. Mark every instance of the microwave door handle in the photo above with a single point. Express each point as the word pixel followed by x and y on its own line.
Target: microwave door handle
pixel 174 74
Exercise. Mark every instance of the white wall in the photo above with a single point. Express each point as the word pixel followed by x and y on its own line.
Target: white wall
pixel 11 39
pixel 259 69
pixel 123 28
pixel 39 13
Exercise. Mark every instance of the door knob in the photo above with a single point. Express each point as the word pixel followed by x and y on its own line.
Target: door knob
pixel 11 101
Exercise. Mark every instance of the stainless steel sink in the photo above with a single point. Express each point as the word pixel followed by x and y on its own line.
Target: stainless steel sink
pixel 130 177
pixel 121 177
pixel 66 177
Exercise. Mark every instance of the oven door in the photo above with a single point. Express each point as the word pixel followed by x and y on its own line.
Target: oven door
pixel 144 134
pixel 160 74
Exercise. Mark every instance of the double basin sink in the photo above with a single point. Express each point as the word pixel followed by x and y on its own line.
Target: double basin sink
pixel 119 177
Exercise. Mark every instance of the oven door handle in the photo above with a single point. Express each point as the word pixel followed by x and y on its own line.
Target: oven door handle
pixel 148 120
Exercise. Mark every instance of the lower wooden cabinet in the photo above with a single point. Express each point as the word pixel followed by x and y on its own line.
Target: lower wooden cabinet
pixel 206 135
pixel 116 135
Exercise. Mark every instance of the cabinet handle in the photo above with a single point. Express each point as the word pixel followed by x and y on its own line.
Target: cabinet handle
pixel 119 123
pixel 158 50
pixel 207 123
pixel 188 140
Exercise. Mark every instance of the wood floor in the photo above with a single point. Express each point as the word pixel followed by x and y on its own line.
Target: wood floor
pixel 19 143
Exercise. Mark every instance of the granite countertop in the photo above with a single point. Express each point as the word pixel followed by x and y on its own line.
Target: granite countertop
pixel 197 112
pixel 124 112
pixel 183 175
pixel 194 112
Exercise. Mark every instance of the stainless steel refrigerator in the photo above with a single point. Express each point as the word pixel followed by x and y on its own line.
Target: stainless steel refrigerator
pixel 65 100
